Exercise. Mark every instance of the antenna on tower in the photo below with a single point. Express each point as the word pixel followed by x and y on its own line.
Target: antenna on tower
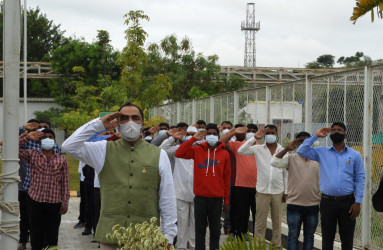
pixel 250 27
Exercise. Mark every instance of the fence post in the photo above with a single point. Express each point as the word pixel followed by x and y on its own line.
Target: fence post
pixel 236 107
pixel 155 111
pixel 194 113
pixel 268 103
pixel 367 155
pixel 308 105
pixel 178 112
pixel 211 109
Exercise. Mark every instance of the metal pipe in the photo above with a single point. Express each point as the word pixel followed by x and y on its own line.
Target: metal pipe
pixel 367 155
pixel 236 107
pixel 268 103
pixel 308 105
pixel 25 63
pixel 211 109
pixel 194 115
pixel 10 154
pixel 178 112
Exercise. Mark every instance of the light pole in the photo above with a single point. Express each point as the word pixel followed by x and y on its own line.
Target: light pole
pixel 25 62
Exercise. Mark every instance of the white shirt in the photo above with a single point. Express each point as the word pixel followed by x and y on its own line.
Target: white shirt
pixel 94 153
pixel 183 172
pixel 80 166
pixel 270 180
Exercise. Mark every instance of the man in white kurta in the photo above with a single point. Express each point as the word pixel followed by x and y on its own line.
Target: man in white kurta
pixel 183 184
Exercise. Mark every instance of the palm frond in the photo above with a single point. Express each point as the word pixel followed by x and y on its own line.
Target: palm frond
pixel 364 6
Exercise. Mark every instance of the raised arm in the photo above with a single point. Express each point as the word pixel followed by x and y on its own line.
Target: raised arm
pixel 93 153
pixel 185 151
pixel 25 154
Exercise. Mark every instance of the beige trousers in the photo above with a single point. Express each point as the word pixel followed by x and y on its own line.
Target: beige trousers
pixel 263 203
pixel 104 246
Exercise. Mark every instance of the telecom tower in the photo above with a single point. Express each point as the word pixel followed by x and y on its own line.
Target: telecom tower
pixel 250 27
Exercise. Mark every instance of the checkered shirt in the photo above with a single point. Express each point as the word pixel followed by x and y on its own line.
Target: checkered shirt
pixel 36 146
pixel 49 179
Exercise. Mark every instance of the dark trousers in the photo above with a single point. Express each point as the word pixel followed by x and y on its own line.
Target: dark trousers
pixel 88 172
pixel 81 217
pixel 207 209
pixel 333 213
pixel 296 216
pixel 233 208
pixel 24 218
pixel 96 208
pixel 45 223
pixel 245 200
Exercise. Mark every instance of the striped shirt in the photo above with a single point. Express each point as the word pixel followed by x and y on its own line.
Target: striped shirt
pixel 49 179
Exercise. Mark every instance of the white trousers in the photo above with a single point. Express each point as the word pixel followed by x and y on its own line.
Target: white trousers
pixel 186 224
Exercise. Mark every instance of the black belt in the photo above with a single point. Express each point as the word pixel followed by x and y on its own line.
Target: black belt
pixel 338 198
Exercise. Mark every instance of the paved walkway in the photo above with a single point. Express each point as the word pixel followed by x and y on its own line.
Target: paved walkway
pixel 71 239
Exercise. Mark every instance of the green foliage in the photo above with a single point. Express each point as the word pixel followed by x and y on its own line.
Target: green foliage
pixel 358 60
pixel 71 121
pixel 313 65
pixel 364 6
pixel 155 121
pixel 326 61
pixel 140 236
pixel 48 115
pixel 237 243
pixel 42 35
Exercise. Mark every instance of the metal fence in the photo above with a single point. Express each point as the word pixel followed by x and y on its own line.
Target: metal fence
pixel 352 96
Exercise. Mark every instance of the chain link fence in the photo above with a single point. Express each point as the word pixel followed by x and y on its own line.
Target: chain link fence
pixel 307 105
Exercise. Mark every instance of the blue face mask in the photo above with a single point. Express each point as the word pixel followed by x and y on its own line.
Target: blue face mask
pixel 148 138
pixel 185 138
pixel 270 139
pixel 161 132
pixel 47 143
pixel 249 135
pixel 212 139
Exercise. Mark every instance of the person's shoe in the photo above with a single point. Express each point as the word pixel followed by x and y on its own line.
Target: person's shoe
pixel 87 231
pixel 22 246
pixel 79 225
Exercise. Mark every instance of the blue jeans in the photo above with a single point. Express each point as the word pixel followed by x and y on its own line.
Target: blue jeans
pixel 296 215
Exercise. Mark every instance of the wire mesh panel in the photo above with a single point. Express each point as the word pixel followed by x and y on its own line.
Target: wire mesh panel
pixel 377 153
pixel 203 109
pixel 186 112
pixel 224 108
pixel 246 107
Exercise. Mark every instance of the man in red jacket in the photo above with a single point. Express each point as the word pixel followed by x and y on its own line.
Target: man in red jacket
pixel 211 182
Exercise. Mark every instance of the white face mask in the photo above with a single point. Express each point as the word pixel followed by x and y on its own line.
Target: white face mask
pixel 161 132
pixel 47 143
pixel 130 131
pixel 185 138
pixel 224 132
pixel 200 129
pixel 249 135
pixel 212 139
pixel 148 138
pixel 270 139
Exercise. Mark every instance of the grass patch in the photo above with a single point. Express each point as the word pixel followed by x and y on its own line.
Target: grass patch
pixel 74 176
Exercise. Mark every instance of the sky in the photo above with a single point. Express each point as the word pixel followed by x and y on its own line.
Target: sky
pixel 292 33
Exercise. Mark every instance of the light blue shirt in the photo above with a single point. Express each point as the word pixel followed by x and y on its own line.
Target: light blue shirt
pixel 341 173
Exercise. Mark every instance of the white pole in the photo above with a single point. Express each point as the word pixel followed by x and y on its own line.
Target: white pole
pixel 367 155
pixel 268 103
pixel 327 107
pixel 308 105
pixel 9 226
pixel 178 112
pixel 236 107
pixel 212 109
pixel 25 62
pixel 194 113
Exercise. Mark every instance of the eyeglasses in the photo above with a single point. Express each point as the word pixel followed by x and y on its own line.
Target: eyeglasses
pixel 337 130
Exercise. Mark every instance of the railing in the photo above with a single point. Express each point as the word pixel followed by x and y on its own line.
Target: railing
pixel 37 70
pixel 354 97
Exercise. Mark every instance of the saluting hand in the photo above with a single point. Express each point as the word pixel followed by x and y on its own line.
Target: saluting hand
pixel 179 135
pixel 200 135
pixel 261 133
pixel 172 131
pixel 31 126
pixel 323 132
pixel 35 135
pixel 154 129
pixel 294 144
pixel 110 121
pixel 241 130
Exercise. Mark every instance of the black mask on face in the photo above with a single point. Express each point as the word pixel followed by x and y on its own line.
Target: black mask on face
pixel 337 138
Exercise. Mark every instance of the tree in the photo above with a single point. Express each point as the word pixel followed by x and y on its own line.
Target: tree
pixel 358 60
pixel 43 36
pixel 364 6
pixel 313 65
pixel 326 60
